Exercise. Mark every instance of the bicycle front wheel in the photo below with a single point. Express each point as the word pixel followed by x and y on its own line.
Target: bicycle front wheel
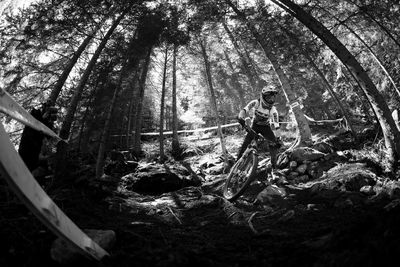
pixel 240 176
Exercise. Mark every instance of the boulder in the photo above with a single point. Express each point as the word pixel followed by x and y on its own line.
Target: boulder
pixel 156 179
pixel 346 177
pixel 272 194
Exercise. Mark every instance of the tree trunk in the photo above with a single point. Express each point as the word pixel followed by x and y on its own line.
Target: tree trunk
pixel 138 114
pixel 363 98
pixel 370 50
pixel 64 75
pixel 245 63
pixel 235 81
pixel 324 80
pixel 91 124
pixel 389 129
pixel 303 128
pixel 254 67
pixel 105 133
pixel 213 99
pixel 86 115
pixel 368 15
pixel 162 107
pixel 107 123
pixel 82 127
pixel 328 86
pixel 66 126
pixel 175 139
pixel 131 110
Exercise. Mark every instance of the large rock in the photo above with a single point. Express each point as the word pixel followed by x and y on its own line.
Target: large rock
pixel 346 177
pixel 272 194
pixel 64 253
pixel 302 154
pixel 157 179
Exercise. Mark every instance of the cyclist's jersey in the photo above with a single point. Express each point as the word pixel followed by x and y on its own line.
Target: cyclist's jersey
pixel 262 115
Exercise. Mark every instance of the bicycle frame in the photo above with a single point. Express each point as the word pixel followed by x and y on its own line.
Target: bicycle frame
pixel 243 171
pixel 257 138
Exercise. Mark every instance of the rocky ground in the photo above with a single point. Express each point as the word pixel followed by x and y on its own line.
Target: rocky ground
pixel 332 205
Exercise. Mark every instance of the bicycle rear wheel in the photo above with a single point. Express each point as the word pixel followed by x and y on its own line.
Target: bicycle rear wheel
pixel 240 176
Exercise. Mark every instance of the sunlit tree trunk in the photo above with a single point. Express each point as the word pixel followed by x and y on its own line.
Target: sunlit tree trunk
pixel 303 128
pixel 175 139
pixel 162 106
pixel 208 72
pixel 389 129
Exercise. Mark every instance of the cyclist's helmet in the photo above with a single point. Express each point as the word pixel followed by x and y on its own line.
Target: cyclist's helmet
pixel 267 92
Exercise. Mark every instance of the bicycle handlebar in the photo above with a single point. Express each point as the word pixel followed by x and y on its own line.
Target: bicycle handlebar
pixel 256 135
pixel 249 130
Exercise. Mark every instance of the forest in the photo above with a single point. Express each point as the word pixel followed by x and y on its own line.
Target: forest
pixel 120 131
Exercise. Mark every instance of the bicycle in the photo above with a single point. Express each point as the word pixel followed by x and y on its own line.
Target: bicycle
pixel 243 172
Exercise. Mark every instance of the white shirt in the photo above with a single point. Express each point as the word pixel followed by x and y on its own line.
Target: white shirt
pixel 261 115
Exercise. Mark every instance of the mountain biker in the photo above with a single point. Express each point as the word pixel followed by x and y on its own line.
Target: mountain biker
pixel 265 113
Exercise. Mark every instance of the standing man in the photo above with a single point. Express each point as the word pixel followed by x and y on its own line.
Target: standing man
pixel 32 140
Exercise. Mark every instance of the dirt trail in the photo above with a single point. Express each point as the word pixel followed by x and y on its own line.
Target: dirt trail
pixel 321 224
